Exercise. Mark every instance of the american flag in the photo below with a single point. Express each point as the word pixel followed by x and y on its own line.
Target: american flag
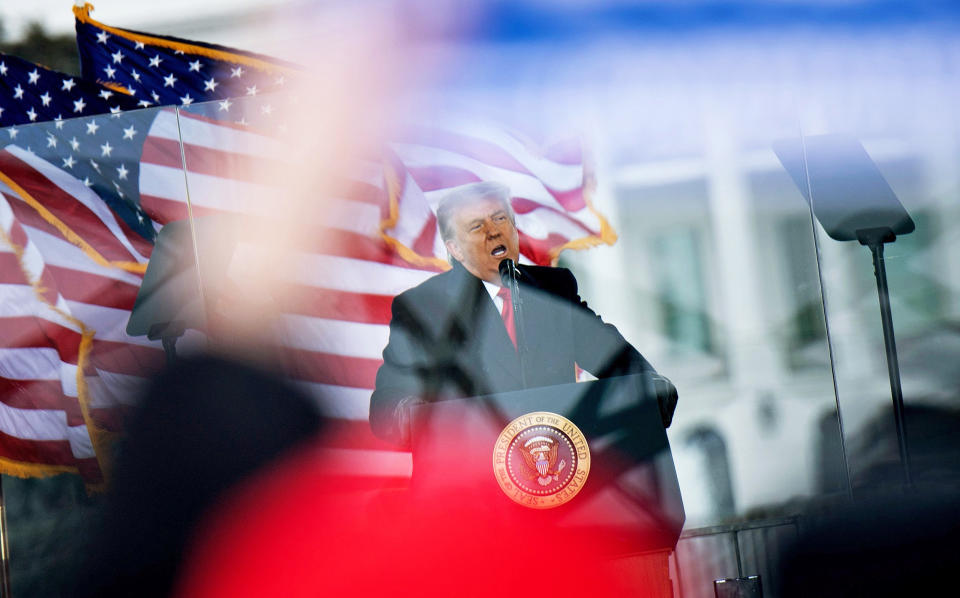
pixel 68 278
pixel 69 268
pixel 551 187
pixel 33 93
pixel 379 239
pixel 161 70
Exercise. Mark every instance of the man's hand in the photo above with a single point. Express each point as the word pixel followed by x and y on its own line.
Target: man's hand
pixel 403 414
pixel 666 394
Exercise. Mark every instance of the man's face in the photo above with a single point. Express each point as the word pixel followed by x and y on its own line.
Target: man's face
pixel 483 235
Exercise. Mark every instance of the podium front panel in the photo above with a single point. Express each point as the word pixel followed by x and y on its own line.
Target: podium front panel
pixel 630 498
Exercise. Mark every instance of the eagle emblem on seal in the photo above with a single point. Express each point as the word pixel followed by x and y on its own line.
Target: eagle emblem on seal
pixel 541 460
pixel 540 455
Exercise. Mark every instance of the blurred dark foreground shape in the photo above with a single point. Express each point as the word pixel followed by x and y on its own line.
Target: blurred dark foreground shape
pixel 884 546
pixel 890 541
pixel 202 426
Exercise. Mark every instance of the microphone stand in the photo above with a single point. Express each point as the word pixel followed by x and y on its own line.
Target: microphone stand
pixel 509 276
pixel 874 238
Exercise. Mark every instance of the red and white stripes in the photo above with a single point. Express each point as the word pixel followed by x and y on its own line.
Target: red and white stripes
pixel 59 319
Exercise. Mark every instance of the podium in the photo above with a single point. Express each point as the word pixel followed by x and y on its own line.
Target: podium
pixel 522 455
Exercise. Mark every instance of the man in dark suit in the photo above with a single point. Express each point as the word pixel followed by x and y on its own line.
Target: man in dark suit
pixel 453 335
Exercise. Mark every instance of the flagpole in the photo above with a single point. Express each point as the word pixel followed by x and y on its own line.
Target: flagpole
pixel 4 546
pixel 193 229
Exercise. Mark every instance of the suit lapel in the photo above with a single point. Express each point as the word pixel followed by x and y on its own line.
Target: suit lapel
pixel 487 339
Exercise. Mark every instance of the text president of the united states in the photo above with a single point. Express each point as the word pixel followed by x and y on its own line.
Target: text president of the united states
pixel 448 338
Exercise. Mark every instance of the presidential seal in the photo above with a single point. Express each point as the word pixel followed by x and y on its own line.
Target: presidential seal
pixel 541 460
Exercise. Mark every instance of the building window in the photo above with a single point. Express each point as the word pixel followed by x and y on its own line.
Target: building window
pixel 806 329
pixel 682 298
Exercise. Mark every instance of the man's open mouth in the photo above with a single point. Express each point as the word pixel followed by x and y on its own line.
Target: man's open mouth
pixel 499 251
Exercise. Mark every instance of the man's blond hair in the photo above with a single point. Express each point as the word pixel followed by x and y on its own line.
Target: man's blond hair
pixel 466 194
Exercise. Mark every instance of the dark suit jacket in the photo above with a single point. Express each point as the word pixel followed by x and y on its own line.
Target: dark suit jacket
pixel 448 340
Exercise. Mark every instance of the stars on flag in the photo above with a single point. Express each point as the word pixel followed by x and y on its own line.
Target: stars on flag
pixel 172 71
pixel 102 152
pixel 32 93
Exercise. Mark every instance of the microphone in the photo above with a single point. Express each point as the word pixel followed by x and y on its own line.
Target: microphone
pixel 509 276
pixel 508 273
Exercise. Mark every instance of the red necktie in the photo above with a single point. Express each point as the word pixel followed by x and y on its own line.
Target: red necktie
pixel 507 314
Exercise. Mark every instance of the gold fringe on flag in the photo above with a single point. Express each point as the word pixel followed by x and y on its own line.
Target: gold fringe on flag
pixel 99 438
pixel 21 469
pixel 116 87
pixel 393 192
pixel 607 235
pixel 68 233
pixel 82 14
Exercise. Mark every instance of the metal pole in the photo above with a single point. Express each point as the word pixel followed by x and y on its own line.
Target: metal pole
pixel 521 331
pixel 4 546
pixel 170 349
pixel 736 548
pixel 893 365
pixel 826 322
pixel 193 228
